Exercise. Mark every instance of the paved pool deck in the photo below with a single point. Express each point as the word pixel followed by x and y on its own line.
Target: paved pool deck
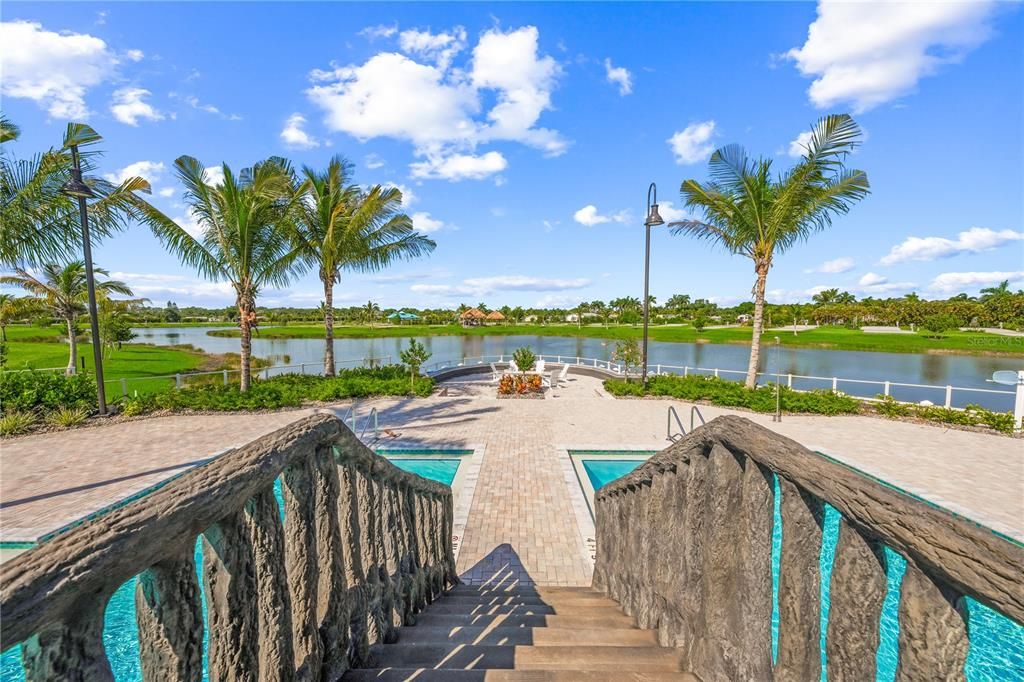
pixel 524 496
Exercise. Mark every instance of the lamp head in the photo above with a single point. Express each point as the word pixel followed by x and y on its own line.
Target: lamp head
pixel 74 187
pixel 654 218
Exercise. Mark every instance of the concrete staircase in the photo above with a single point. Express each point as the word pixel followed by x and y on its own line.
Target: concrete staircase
pixel 535 634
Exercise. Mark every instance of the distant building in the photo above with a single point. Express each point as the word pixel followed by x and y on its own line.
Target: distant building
pixel 743 318
pixel 494 317
pixel 474 317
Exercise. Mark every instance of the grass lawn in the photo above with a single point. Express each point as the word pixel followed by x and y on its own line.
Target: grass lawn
pixel 40 348
pixel 833 338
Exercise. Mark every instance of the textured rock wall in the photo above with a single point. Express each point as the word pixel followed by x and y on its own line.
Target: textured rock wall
pixel 362 547
pixel 684 545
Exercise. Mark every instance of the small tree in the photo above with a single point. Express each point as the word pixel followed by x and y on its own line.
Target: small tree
pixel 628 353
pixel 524 359
pixel 413 357
pixel 700 322
pixel 939 324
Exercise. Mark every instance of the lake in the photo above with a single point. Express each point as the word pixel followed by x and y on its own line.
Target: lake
pixel 963 371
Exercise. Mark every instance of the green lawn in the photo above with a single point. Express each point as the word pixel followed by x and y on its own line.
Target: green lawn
pixel 834 338
pixel 40 348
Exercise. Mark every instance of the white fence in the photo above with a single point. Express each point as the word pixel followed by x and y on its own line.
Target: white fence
pixel 946 396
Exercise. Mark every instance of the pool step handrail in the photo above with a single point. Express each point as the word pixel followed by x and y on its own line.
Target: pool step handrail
pixel 673 437
pixel 376 426
pixel 695 411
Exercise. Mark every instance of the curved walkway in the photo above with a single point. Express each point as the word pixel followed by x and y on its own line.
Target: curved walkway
pixel 521 497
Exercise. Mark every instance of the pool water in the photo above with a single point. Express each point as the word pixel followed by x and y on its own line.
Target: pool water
pixel 996 642
pixel 121 632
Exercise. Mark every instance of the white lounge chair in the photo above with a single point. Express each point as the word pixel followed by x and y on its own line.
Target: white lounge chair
pixel 563 376
pixel 495 374
pixel 539 367
pixel 513 367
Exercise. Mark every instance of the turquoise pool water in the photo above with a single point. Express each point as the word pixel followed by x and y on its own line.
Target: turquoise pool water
pixel 120 631
pixel 996 642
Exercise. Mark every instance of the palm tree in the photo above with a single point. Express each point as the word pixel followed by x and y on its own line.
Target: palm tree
pixel 40 224
pixel 996 292
pixel 11 307
pixel 370 312
pixel 63 290
pixel 341 227
pixel 751 213
pixel 247 234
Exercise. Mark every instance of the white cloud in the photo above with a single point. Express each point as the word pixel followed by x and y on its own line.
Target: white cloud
pixel 379 31
pixel 374 162
pixel 483 286
pixel 619 75
pixel 214 175
pixel 589 216
pixel 439 108
pixel 957 282
pixel 408 196
pixel 459 166
pixel 798 147
pixel 670 213
pixel 558 301
pixel 190 224
pixel 833 267
pixel 439 48
pixel 161 286
pixel 294 136
pixel 693 143
pixel 135 55
pixel 166 192
pixel 974 240
pixel 423 222
pixel 128 106
pixel 872 283
pixel 149 170
pixel 868 53
pixel 55 70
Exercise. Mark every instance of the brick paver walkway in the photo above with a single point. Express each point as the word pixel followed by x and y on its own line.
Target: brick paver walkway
pixel 521 519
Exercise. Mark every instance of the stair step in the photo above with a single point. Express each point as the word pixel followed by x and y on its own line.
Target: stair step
pixel 489 657
pixel 568 609
pixel 432 675
pixel 504 635
pixel 551 599
pixel 432 618
pixel 515 588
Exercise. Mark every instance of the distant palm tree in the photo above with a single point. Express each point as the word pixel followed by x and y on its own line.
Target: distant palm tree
pixel 247 234
pixel 11 307
pixel 62 289
pixel 996 292
pixel 341 227
pixel 40 224
pixel 751 213
pixel 370 312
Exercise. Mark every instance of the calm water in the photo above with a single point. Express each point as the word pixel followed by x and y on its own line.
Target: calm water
pixel 121 632
pixel 936 370
pixel 996 643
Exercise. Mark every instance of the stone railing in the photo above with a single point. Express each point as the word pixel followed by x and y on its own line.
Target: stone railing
pixel 361 547
pixel 684 543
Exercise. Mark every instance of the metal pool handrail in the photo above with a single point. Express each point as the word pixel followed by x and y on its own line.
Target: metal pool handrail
pixel 668 425
pixel 695 411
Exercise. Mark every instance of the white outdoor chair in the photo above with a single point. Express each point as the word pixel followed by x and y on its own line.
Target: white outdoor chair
pixel 540 367
pixel 495 374
pixel 546 380
pixel 563 376
pixel 513 367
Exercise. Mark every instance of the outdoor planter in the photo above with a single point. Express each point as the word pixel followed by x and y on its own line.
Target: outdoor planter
pixel 521 386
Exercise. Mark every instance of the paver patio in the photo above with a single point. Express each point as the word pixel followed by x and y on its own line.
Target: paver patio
pixel 521 498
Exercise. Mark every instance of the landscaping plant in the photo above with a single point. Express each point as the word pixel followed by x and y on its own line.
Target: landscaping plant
pixel 524 359
pixel 414 357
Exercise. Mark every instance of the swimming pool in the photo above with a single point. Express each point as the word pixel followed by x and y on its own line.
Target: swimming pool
pixel 996 642
pixel 120 631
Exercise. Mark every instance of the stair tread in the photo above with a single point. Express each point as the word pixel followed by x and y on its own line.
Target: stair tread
pixel 609 620
pixel 434 675
pixel 520 657
pixel 502 635
pixel 562 609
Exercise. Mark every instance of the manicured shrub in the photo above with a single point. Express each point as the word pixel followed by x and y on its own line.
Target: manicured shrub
pixel 520 384
pixel 524 359
pixel 46 391
pixel 67 416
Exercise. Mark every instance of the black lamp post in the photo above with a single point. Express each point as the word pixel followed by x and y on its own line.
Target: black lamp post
pixel 652 218
pixel 81 191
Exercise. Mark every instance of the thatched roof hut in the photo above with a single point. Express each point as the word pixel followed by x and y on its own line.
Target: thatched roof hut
pixel 473 316
pixel 495 316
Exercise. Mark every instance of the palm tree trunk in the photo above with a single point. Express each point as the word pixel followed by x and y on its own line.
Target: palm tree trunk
pixel 72 347
pixel 328 327
pixel 755 342
pixel 245 353
pixel 3 333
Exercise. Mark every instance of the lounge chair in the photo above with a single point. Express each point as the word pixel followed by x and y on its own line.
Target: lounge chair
pixel 495 374
pixel 539 367
pixel 563 376
pixel 513 367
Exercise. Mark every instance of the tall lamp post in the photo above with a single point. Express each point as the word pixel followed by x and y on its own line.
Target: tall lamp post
pixel 652 218
pixel 76 188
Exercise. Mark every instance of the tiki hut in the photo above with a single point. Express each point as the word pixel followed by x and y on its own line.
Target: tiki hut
pixel 473 317
pixel 495 317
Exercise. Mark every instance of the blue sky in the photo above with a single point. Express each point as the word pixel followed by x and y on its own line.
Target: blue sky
pixel 526 134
